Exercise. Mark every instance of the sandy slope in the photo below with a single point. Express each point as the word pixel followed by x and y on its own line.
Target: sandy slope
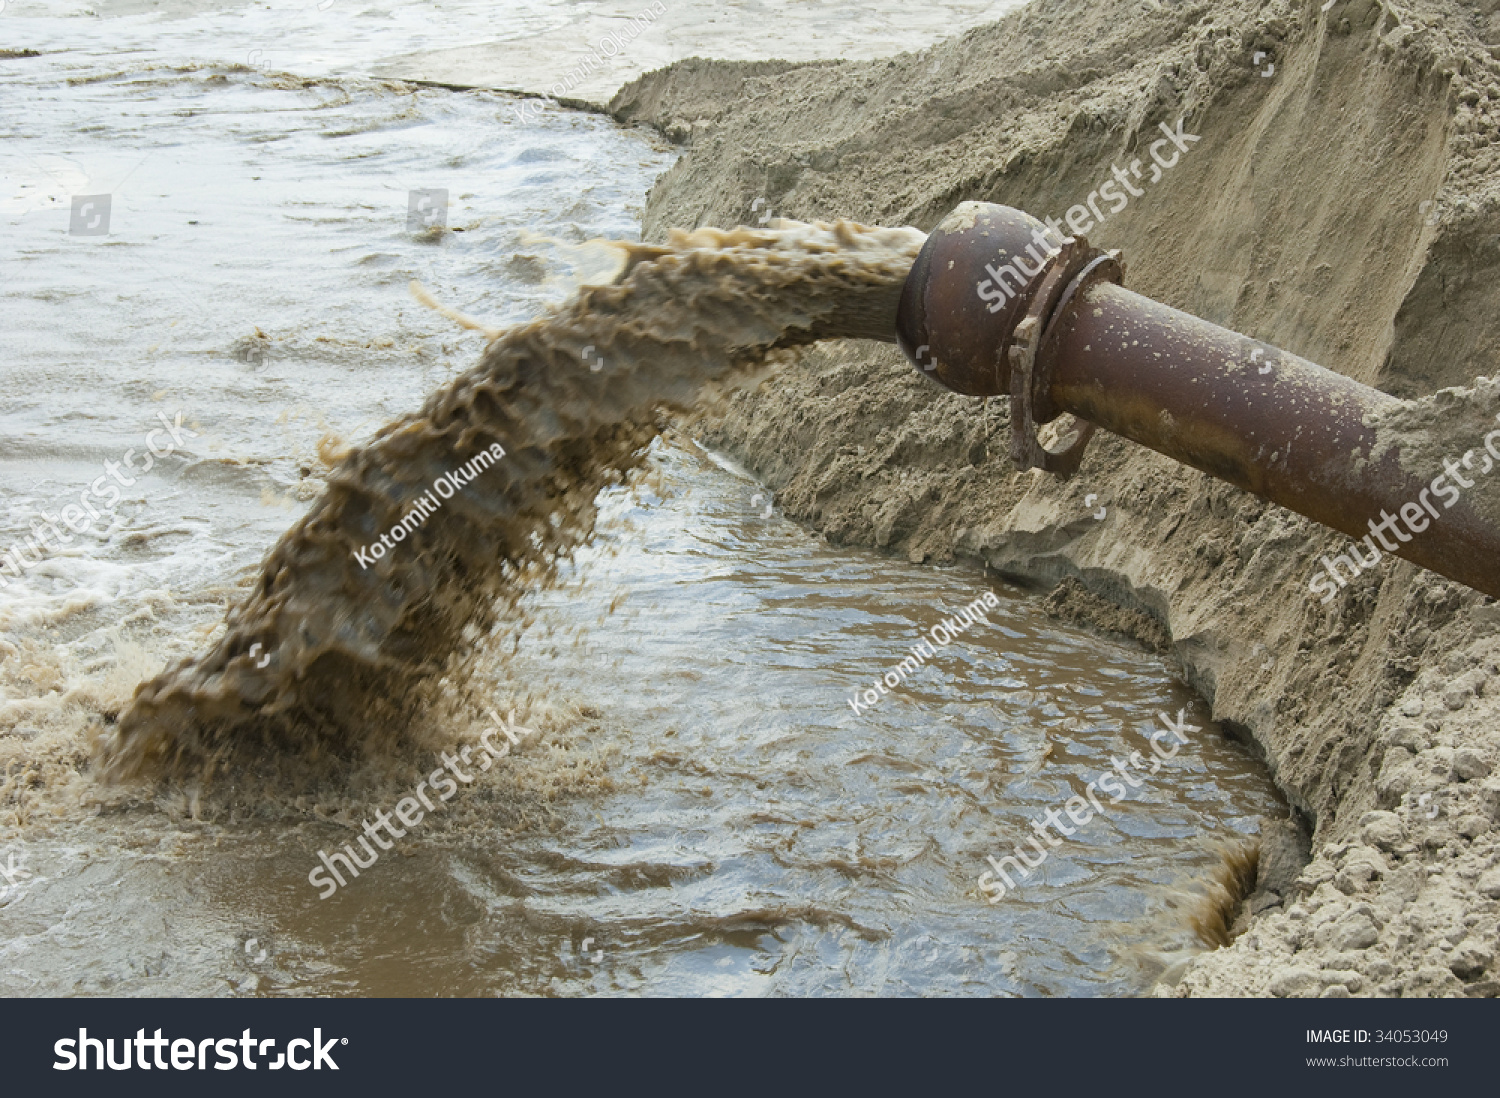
pixel 1342 204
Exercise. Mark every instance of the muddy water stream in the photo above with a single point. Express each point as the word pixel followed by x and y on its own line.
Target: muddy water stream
pixel 700 803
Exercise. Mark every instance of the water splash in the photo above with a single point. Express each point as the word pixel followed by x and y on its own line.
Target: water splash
pixel 356 645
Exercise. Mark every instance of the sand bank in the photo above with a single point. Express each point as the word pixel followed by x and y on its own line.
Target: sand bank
pixel 1340 205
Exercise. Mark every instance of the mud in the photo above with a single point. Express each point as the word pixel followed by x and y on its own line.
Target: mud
pixel 371 600
pixel 1338 205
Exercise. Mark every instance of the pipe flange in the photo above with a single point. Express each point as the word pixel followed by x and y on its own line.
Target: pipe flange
pixel 1075 266
pixel 1100 266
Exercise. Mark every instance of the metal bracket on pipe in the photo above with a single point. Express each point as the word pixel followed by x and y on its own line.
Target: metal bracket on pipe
pixel 1165 379
pixel 1069 270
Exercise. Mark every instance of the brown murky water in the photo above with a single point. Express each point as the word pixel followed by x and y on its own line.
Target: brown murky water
pixel 694 796
pixel 699 801
pixel 383 588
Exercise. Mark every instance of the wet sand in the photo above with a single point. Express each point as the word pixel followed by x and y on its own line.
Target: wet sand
pixel 1347 164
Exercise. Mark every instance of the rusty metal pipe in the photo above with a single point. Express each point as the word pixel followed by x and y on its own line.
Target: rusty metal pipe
pixel 998 304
